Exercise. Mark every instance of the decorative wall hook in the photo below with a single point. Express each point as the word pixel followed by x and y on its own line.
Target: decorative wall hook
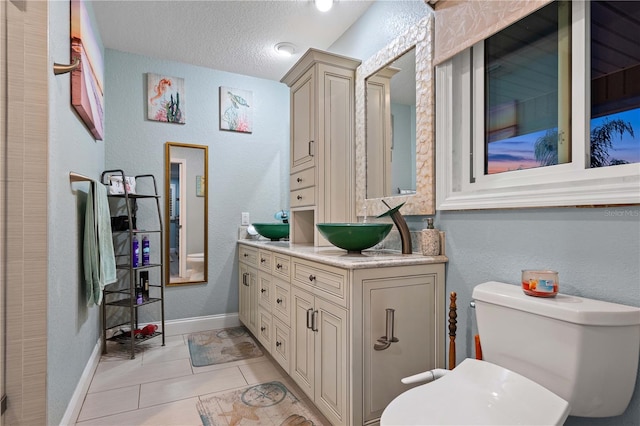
pixel 62 69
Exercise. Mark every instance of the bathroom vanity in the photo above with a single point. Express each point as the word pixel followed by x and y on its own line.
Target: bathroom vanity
pixel 345 327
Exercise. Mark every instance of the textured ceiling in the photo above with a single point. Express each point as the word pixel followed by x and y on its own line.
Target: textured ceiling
pixel 234 36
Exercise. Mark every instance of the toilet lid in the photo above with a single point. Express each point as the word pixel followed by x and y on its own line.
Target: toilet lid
pixel 477 392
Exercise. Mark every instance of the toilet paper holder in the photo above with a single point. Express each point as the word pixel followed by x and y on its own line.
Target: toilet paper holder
pixel 385 341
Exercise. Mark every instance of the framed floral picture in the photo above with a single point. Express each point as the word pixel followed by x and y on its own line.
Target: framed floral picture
pixel 165 98
pixel 235 110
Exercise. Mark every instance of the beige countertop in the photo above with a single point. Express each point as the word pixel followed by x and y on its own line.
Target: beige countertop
pixel 341 258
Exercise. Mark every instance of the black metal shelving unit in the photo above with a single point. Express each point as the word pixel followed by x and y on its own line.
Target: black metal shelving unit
pixel 121 295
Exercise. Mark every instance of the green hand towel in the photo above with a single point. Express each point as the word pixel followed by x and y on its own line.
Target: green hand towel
pixel 99 258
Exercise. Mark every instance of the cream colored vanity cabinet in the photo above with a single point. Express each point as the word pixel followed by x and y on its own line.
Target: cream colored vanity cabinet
pixel 248 287
pixel 322 143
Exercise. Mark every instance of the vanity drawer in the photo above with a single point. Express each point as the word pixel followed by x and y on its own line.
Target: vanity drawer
pixel 303 179
pixel 280 350
pixel 281 266
pixel 265 287
pixel 303 197
pixel 264 260
pixel 281 301
pixel 264 328
pixel 330 281
pixel 248 255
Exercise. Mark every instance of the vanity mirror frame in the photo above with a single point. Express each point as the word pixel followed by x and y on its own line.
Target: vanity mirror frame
pixel 422 202
pixel 194 187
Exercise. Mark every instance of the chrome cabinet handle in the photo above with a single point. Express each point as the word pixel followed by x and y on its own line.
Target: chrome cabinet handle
pixel 310 150
pixel 314 321
pixel 385 341
pixel 244 279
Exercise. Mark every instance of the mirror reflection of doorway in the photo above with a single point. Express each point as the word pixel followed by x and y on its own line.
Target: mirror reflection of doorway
pixel 178 226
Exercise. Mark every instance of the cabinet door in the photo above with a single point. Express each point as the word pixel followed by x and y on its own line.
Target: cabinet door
pixel 264 290
pixel 248 297
pixel 281 344
pixel 330 321
pixel 302 344
pixel 413 299
pixel 303 123
pixel 243 293
pixel 264 328
pixel 281 302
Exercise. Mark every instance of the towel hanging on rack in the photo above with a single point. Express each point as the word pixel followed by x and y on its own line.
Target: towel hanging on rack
pixel 98 255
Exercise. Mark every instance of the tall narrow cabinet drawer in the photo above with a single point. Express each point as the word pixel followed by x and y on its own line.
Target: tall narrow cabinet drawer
pixel 248 255
pixel 325 278
pixel 303 197
pixel 303 179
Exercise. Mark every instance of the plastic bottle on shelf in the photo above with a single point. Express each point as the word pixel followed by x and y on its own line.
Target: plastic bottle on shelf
pixel 145 250
pixel 135 252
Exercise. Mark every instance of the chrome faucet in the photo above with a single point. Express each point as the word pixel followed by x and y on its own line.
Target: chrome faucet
pixel 401 224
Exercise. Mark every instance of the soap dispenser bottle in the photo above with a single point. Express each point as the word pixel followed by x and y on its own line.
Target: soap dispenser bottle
pixel 430 240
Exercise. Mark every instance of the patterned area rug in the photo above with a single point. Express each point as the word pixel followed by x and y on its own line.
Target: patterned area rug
pixel 264 404
pixel 220 346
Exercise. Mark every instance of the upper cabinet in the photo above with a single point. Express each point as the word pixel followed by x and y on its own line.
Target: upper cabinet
pixel 322 143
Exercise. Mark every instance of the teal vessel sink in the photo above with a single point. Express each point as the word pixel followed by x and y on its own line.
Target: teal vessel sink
pixel 273 231
pixel 354 237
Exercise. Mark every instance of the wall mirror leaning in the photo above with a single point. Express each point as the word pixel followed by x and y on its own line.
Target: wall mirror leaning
pixel 186 207
pixel 380 126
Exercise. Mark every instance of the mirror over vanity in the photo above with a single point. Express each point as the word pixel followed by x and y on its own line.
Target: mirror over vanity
pixel 186 209
pixel 394 126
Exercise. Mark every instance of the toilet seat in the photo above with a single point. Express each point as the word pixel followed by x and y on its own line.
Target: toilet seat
pixel 477 392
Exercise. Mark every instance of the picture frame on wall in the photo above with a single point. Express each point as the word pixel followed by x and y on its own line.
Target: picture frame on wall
pixel 236 114
pixel 87 96
pixel 165 98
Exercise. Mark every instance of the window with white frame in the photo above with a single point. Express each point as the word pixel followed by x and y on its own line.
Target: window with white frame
pixel 543 113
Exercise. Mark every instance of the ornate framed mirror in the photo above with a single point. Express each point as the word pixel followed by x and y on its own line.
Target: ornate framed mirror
pixel 375 119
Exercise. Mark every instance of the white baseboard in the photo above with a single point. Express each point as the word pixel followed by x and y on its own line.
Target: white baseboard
pixel 74 406
pixel 196 324
pixel 173 327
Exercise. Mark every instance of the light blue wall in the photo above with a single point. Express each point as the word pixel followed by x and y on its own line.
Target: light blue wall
pixel 73 328
pixel 247 172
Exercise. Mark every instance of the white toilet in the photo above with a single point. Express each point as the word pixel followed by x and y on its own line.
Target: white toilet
pixel 544 358
pixel 195 266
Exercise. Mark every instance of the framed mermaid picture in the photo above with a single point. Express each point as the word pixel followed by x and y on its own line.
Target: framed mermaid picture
pixel 235 110
pixel 165 98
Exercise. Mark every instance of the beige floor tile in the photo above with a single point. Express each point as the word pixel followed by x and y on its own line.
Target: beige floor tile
pixel 179 413
pixel 260 372
pixel 109 402
pixel 189 386
pixel 164 354
pixel 131 372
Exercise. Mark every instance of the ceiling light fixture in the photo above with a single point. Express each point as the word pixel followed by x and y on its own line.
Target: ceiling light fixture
pixel 323 5
pixel 285 49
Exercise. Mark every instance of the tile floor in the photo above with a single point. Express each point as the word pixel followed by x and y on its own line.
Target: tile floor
pixel 160 387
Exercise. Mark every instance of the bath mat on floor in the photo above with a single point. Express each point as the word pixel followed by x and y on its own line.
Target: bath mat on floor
pixel 264 404
pixel 220 346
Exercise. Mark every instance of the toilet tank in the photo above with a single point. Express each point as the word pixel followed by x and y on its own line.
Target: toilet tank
pixel 585 351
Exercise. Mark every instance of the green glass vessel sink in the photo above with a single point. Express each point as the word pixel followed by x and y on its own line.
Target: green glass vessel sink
pixel 354 237
pixel 273 231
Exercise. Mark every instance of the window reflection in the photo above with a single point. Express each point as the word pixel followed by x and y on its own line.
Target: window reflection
pixel 615 83
pixel 525 65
